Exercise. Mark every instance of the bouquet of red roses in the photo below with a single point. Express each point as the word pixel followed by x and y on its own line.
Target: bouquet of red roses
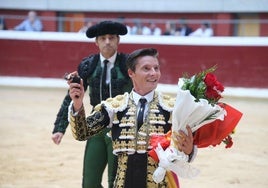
pixel 197 105
pixel 217 129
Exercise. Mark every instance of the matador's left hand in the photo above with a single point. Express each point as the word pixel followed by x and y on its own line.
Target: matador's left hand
pixel 185 141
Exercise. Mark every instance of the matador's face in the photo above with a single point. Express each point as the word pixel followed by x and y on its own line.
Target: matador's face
pixel 107 44
pixel 146 75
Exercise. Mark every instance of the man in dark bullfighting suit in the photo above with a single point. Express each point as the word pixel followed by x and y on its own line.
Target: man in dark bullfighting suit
pixel 105 75
pixel 133 117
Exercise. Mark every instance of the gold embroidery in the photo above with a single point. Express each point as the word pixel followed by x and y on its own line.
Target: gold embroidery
pixel 97 107
pixel 115 104
pixel 167 102
pixel 109 100
pixel 132 140
pixel 115 121
pixel 118 103
pixel 119 97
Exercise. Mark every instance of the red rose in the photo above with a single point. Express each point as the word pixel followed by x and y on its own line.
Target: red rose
pixel 210 80
pixel 212 94
pixel 219 86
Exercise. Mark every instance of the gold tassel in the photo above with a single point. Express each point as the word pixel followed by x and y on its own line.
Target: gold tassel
pixel 170 118
pixel 115 121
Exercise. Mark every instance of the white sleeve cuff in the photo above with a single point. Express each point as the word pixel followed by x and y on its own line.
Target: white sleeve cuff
pixel 71 111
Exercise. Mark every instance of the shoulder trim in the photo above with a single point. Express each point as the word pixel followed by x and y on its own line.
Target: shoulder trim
pixel 87 65
pixel 118 103
pixel 166 102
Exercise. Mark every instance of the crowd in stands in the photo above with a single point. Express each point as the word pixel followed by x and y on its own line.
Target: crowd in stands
pixel 182 29
pixel 33 23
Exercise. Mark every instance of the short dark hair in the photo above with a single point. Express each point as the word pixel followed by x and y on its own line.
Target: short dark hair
pixel 132 58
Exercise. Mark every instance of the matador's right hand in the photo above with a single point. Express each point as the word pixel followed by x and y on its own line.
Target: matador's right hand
pixel 76 92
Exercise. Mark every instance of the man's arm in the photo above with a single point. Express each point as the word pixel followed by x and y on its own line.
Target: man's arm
pixel 83 128
pixel 21 26
pixel 61 122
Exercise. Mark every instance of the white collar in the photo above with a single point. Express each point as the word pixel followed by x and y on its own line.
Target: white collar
pixel 136 97
pixel 111 59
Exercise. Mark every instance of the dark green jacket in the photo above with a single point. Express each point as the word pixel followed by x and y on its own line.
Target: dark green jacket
pixel 90 71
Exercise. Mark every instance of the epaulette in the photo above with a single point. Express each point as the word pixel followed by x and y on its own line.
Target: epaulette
pixel 118 103
pixel 97 107
pixel 166 102
pixel 87 66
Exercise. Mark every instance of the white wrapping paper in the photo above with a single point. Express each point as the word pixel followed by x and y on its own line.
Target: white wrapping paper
pixel 186 112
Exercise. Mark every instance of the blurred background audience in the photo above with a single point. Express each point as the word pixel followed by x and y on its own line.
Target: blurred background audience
pixel 31 23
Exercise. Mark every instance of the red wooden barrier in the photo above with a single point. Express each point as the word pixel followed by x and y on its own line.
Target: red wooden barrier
pixel 242 62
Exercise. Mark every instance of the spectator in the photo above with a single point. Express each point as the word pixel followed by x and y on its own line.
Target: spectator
pixel 32 23
pixel 146 30
pixel 154 30
pixel 3 24
pixel 137 28
pixel 169 28
pixel 203 31
pixel 183 29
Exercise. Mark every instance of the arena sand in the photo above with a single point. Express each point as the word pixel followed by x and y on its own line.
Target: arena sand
pixel 29 158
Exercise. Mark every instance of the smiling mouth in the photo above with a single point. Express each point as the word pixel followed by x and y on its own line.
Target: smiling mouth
pixel 152 81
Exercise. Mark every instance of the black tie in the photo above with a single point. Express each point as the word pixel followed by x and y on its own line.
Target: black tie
pixel 141 112
pixel 104 72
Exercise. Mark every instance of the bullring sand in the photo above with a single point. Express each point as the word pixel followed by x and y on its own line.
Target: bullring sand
pixel 29 159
